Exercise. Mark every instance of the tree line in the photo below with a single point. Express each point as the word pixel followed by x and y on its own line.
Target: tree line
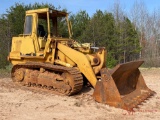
pixel 126 37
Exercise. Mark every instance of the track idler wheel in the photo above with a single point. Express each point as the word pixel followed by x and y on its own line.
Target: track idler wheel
pixel 18 75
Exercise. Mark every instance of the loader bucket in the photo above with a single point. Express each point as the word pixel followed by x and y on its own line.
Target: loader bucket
pixel 122 87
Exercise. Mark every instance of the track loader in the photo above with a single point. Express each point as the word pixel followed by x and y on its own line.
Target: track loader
pixel 44 57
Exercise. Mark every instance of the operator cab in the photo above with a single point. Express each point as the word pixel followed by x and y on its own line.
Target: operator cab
pixel 44 24
pixel 40 28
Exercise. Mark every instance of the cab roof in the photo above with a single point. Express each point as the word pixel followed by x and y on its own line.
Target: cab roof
pixel 51 12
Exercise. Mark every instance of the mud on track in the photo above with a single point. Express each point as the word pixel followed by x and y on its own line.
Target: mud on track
pixel 23 103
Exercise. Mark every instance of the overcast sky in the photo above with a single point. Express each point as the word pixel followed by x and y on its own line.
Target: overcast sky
pixel 89 5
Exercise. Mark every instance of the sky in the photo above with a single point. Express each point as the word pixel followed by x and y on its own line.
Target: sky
pixel 90 6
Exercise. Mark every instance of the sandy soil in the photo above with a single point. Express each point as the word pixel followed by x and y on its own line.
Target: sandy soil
pixel 22 103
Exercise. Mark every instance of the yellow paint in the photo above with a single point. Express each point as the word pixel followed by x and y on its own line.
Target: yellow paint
pixel 55 49
pixel 82 62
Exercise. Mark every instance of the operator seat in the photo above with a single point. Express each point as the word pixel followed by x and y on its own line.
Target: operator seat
pixel 41 31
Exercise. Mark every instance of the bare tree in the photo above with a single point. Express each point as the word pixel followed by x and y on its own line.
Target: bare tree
pixel 119 14
pixel 148 24
pixel 139 15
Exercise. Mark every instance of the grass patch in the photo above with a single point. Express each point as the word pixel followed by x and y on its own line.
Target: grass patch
pixel 6 71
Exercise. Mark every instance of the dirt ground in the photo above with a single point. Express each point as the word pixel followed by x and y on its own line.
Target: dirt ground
pixel 22 103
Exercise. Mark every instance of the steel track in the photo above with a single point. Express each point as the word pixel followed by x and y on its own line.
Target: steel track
pixel 76 74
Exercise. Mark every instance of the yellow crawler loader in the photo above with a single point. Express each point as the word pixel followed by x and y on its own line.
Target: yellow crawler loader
pixel 42 57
